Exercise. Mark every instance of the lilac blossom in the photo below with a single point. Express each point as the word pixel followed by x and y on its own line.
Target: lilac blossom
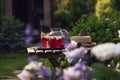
pixel 75 72
pixel 39 44
pixel 34 69
pixel 35 32
pixel 32 35
pixel 28 40
pixel 32 58
pixel 88 59
pixel 59 71
pixel 59 74
pixel 75 54
pixel 28 30
pixel 44 72
pixel 72 74
pixel 88 73
pixel 25 75
pixel 81 66
pixel 80 71
pixel 72 45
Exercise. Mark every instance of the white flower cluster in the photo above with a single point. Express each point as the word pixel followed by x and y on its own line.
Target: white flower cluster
pixel 33 66
pixel 106 51
pixel 32 70
pixel 119 33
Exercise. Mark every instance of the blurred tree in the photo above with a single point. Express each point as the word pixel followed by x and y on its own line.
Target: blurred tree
pixel 0 11
pixel 61 5
pixel 79 7
pixel 61 14
pixel 103 6
pixel 116 4
pixel 68 11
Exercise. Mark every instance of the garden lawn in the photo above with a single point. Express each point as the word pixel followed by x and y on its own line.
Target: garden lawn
pixel 14 61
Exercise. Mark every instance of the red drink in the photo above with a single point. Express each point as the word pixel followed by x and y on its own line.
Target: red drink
pixel 45 42
pixel 61 42
pixel 52 42
pixel 56 42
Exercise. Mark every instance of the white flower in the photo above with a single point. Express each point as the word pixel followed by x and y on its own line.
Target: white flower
pixel 33 65
pixel 119 33
pixel 117 50
pixel 75 54
pixel 107 19
pixel 25 75
pixel 104 51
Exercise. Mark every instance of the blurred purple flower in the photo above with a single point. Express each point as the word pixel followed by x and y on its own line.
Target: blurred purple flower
pixel 80 66
pixel 34 76
pixel 28 40
pixel 32 58
pixel 59 74
pixel 71 46
pixel 39 45
pixel 59 71
pixel 88 59
pixel 28 30
pixel 24 75
pixel 79 71
pixel 89 73
pixel 72 73
pixel 35 32
pixel 45 72
pixel 75 54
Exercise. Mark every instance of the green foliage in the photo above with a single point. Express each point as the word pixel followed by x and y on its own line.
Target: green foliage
pixel 116 4
pixel 101 30
pixel 79 7
pixel 104 73
pixel 11 35
pixel 63 19
pixel 116 40
pixel 69 11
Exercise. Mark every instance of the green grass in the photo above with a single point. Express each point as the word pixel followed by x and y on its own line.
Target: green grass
pixel 10 63
pixel 14 61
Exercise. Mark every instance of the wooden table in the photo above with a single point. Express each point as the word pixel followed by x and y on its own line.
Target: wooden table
pixel 52 54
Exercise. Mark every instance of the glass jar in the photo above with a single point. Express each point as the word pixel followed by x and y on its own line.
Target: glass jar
pixel 56 38
pixel 45 40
